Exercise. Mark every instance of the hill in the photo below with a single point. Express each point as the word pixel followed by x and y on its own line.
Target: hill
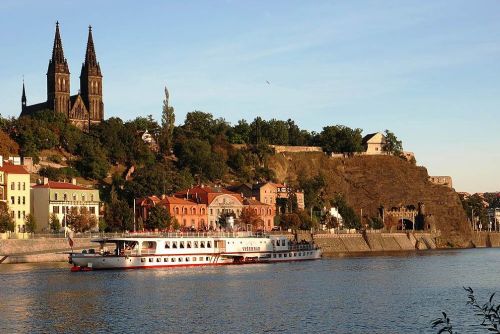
pixel 369 182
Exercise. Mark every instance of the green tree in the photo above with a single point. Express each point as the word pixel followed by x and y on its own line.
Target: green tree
pixel 118 215
pixel 167 126
pixel 93 163
pixel 314 189
pixel 30 223
pixel 239 134
pixel 159 218
pixel 197 155
pixel 54 223
pixel 349 217
pixel 392 144
pixel 290 221
pixel 6 221
pixel 341 139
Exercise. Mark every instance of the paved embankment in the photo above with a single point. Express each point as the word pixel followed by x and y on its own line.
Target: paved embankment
pixel 373 242
pixel 38 250
pixel 486 239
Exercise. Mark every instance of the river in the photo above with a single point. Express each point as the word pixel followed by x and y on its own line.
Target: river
pixel 393 293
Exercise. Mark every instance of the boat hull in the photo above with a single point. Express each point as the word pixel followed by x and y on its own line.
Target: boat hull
pixel 85 262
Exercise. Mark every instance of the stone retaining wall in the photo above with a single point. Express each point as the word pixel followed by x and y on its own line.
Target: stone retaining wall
pixel 30 246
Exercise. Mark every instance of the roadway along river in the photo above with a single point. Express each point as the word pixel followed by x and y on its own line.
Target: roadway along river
pixel 398 293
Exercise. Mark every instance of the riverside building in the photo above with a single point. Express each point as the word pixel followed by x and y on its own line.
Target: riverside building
pixel 60 198
pixel 15 193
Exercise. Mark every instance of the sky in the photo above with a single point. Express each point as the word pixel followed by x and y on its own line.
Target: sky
pixel 427 70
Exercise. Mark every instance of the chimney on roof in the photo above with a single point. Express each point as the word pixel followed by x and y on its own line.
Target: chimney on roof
pixel 73 181
pixel 45 180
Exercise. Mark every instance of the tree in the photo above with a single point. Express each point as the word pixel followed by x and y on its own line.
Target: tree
pixel 349 217
pixel 248 216
pixel 8 147
pixel 314 189
pixel 6 220
pixel 54 223
pixel 81 221
pixel 197 155
pixel 376 223
pixel 341 139
pixel 290 221
pixel 392 144
pixel 167 126
pixel 118 215
pixel 159 218
pixel 93 163
pixel 30 223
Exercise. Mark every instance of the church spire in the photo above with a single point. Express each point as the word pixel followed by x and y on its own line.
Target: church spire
pixel 90 57
pixel 57 49
pixel 23 98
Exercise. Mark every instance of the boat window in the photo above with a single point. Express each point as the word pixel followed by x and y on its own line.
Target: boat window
pixel 284 255
pixel 180 259
pixel 196 244
pixel 189 244
pixel 207 258
pixel 165 259
pixel 174 244
pixel 294 254
pixel 277 242
pixel 172 259
pixel 158 259
pixel 274 255
pixel 272 241
pixel 181 244
pixel 283 242
pixel 209 244
pixel 194 258
pixel 150 259
pixel 143 259
pixel 187 259
pixel 200 258
pixel 280 255
pixel 167 244
pixel 202 244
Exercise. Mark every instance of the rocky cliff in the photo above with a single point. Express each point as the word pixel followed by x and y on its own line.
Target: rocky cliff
pixel 369 182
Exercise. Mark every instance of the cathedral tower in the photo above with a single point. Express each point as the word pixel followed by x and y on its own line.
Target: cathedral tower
pixel 58 97
pixel 91 83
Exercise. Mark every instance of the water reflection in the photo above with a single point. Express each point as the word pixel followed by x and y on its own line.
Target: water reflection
pixel 387 293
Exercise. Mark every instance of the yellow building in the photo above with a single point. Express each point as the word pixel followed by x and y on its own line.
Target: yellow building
pixel 15 192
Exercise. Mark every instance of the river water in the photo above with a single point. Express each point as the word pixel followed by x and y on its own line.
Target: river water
pixel 396 293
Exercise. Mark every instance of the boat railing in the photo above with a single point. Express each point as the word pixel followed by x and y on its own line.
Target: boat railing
pixel 302 247
pixel 209 234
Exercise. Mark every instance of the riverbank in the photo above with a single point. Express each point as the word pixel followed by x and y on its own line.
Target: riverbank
pixel 52 249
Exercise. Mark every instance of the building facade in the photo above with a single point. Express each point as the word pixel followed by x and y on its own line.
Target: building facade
pixel 15 193
pixel 82 109
pixel 188 214
pixel 60 199
pixel 265 212
pixel 269 192
pixel 374 143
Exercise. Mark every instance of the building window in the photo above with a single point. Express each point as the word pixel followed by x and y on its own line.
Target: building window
pixel 12 200
pixel 55 209
pixel 74 197
pixel 18 199
pixel 18 185
pixel 92 210
pixel 24 214
pixel 24 185
pixel 83 197
pixel 13 186
pixel 92 197
pixel 55 196
pixel 24 200
pixel 18 214
pixel 65 197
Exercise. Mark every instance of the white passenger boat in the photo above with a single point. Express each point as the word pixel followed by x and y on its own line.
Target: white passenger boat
pixel 175 250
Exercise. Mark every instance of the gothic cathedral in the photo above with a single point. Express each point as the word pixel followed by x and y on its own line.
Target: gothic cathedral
pixel 82 109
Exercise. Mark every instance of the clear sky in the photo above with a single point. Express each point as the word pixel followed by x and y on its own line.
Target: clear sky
pixel 427 70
